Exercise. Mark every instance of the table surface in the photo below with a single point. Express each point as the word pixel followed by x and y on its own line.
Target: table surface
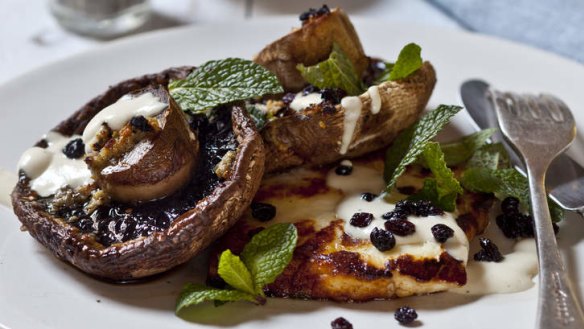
pixel 30 37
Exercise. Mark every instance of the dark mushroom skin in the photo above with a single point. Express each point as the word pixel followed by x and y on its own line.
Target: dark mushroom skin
pixel 311 44
pixel 187 235
pixel 313 136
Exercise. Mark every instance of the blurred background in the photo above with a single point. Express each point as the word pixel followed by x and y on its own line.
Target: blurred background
pixel 34 33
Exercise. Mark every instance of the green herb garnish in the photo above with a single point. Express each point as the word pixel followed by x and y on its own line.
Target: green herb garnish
pixel 493 156
pixel 193 294
pixel 408 61
pixel 259 117
pixel 262 260
pixel 458 152
pixel 413 141
pixel 504 183
pixel 486 166
pixel 335 72
pixel 222 81
pixel 444 188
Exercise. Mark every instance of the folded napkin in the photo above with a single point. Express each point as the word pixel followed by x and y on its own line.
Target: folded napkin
pixel 557 26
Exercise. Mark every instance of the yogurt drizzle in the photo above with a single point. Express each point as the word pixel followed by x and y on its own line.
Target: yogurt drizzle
pixel 421 243
pixel 49 169
pixel 373 92
pixel 301 101
pixel 352 106
pixel 119 113
pixel 513 274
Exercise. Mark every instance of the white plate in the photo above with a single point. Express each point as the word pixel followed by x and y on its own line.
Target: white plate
pixel 38 291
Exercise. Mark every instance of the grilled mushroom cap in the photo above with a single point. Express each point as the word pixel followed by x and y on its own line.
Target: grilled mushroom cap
pixel 188 234
pixel 313 136
pixel 311 44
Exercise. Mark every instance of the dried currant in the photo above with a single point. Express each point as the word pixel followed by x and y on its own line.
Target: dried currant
pixel 381 239
pixel 341 323
pixel 400 227
pixel 361 219
pixel 442 232
pixel 263 211
pixel 405 315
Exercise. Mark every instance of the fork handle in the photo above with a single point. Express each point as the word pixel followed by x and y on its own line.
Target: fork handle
pixel 558 306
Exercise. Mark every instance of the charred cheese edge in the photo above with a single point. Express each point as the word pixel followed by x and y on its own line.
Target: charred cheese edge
pixel 333 261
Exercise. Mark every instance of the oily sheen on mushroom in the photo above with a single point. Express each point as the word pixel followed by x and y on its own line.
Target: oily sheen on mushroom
pixel 314 131
pixel 121 240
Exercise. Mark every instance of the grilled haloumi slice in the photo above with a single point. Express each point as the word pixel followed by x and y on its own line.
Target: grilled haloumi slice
pixel 337 261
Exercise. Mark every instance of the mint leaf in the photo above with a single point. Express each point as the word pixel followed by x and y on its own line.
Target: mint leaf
pixel 444 188
pixel 259 117
pixel 269 252
pixel 233 271
pixel 408 62
pixel 493 156
pixel 430 191
pixel 264 258
pixel 444 176
pixel 222 81
pixel 412 142
pixel 504 183
pixel 479 179
pixel 193 294
pixel 335 72
pixel 460 151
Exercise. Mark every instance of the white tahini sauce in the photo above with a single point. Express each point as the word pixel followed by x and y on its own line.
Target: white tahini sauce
pixel 421 243
pixel 352 106
pixel 49 169
pixel 343 199
pixel 119 113
pixel 7 182
pixel 301 101
pixel 515 273
pixel 373 92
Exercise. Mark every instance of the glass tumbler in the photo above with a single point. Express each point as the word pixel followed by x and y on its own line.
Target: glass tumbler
pixel 100 18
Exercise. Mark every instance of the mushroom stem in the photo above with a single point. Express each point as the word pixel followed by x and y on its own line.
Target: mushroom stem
pixel 148 158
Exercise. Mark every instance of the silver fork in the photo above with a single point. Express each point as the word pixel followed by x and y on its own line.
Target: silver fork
pixel 540 128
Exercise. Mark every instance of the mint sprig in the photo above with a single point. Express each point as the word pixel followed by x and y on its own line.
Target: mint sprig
pixel 489 171
pixel 192 294
pixel 444 188
pixel 222 81
pixel 268 254
pixel 408 61
pixel 504 183
pixel 493 156
pixel 234 272
pixel 335 72
pixel 459 151
pixel 411 142
pixel 262 260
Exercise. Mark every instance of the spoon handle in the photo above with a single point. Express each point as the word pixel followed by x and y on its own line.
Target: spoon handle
pixel 558 306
